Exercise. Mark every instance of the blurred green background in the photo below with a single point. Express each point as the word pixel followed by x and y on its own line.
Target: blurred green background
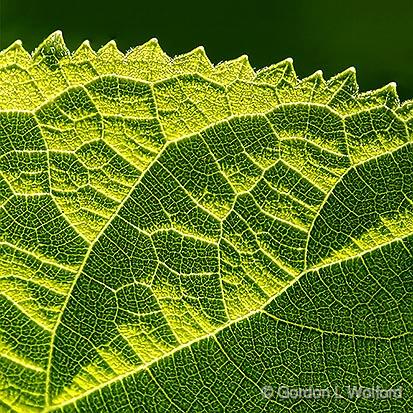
pixel 374 36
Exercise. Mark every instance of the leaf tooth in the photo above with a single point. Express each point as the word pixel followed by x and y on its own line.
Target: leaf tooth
pixel 387 95
pixel 391 94
pixel 405 111
pixel 194 61
pixel 52 49
pixel 344 82
pixel 239 68
pixel 84 52
pixel 149 62
pixel 278 74
pixel 150 51
pixel 310 88
pixel 248 72
pixel 349 73
pixel 18 44
pixel 245 62
pixel 15 53
pixel 316 77
pixel 110 52
pixel 199 52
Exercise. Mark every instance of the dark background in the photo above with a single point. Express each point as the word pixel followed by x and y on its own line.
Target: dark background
pixel 375 36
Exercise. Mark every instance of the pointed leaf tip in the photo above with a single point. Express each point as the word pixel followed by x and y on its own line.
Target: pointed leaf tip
pixel 347 74
pixel 149 51
pixel 111 43
pixel 245 60
pixel 56 39
pixel 15 52
pixel 111 49
pixel 52 49
pixel 84 52
pixel 57 33
pixel 17 44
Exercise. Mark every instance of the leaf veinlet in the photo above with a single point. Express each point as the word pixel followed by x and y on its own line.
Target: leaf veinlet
pixel 151 206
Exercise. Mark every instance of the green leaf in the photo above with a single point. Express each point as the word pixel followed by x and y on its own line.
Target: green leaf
pixel 182 237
